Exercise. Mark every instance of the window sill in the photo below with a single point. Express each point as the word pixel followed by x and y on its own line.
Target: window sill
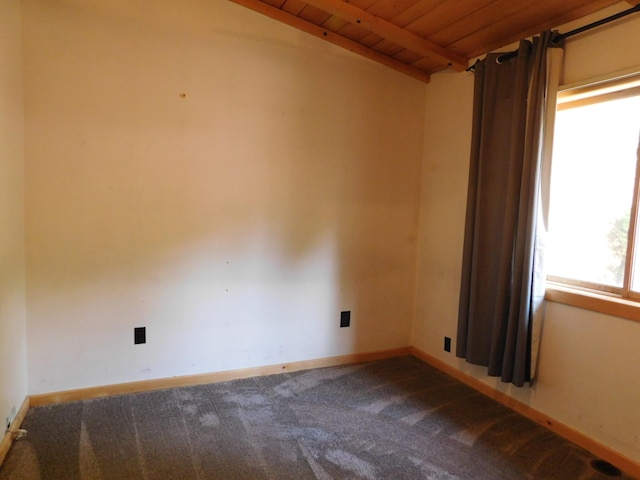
pixel 597 302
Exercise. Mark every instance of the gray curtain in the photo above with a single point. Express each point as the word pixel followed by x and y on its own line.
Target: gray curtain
pixel 499 260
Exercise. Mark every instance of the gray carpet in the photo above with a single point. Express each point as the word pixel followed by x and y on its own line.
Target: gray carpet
pixel 392 419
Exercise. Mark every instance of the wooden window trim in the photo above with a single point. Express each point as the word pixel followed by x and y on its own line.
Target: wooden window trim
pixel 618 302
pixel 600 302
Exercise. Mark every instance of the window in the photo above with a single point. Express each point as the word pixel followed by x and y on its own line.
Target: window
pixel 594 236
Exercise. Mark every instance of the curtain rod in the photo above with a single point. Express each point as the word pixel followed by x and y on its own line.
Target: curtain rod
pixel 558 37
pixel 617 16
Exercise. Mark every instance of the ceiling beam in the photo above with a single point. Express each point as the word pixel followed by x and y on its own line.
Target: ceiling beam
pixel 390 31
pixel 318 31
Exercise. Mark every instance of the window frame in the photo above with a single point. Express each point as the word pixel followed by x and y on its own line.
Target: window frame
pixel 618 301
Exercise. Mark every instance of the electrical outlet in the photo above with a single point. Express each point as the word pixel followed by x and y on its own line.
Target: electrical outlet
pixel 139 335
pixel 447 344
pixel 345 319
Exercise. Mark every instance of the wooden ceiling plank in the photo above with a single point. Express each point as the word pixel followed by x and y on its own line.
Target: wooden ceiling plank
pixel 387 10
pixel 313 14
pixel 444 15
pixel 350 30
pixel 293 7
pixel 407 56
pixel 577 12
pixel 389 31
pixel 335 24
pixel 488 17
pixel 353 32
pixel 429 65
pixel 318 31
pixel 388 48
pixel 275 3
pixel 511 29
pixel 423 8
pixel 363 4
pixel 370 39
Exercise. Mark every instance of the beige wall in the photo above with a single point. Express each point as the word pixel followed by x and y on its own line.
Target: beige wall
pixel 13 360
pixel 588 362
pixel 226 181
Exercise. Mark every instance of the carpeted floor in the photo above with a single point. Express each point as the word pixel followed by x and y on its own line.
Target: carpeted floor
pixel 392 419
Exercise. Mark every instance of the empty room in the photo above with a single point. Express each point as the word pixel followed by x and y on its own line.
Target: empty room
pixel 288 239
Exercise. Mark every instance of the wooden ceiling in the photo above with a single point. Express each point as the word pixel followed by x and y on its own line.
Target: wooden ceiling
pixel 420 37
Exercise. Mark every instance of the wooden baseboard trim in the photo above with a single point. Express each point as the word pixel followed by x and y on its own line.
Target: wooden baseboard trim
pixel 626 464
pixel 190 380
pixel 10 434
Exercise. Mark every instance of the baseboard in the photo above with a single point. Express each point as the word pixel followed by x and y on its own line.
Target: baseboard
pixel 10 434
pixel 190 380
pixel 629 466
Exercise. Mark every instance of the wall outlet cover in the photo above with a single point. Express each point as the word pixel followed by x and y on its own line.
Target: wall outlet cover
pixel 345 319
pixel 139 335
